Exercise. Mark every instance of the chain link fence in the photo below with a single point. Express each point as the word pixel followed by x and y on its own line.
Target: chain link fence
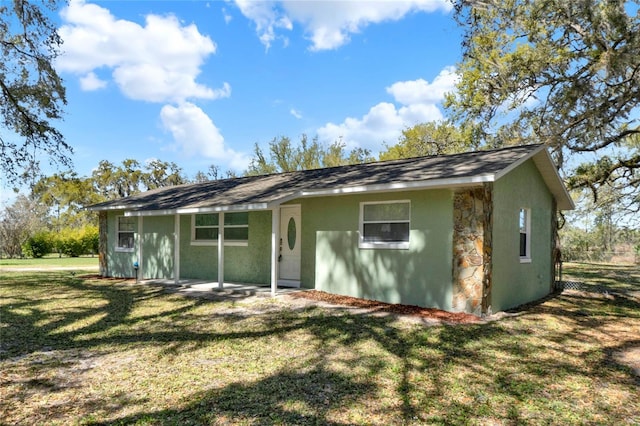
pixel 599 277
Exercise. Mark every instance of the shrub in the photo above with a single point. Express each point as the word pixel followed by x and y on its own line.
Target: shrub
pixel 77 242
pixel 38 245
pixel 90 239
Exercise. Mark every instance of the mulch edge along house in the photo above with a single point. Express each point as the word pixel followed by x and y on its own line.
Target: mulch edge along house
pixel 472 232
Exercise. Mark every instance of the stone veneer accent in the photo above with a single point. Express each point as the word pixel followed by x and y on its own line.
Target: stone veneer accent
pixel 472 224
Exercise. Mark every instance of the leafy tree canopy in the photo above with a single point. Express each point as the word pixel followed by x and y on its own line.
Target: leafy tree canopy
pixel 31 92
pixel 432 138
pixel 111 181
pixel 564 73
pixel 65 195
pixel 284 156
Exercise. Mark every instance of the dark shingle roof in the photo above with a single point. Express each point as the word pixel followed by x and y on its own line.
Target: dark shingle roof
pixel 267 190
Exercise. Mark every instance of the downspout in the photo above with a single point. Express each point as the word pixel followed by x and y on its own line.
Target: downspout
pixel 556 252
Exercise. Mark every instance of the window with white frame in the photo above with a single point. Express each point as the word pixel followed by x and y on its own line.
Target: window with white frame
pixel 236 227
pixel 204 229
pixel 525 235
pixel 385 224
pixel 126 233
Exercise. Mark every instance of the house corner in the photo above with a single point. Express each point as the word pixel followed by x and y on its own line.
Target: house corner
pixel 472 216
pixel 102 243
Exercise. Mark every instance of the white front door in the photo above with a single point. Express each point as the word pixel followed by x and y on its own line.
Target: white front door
pixel 289 246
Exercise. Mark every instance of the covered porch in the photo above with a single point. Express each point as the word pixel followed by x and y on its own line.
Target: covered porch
pixel 211 239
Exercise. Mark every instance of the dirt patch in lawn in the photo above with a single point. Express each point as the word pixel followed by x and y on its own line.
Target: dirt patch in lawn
pixel 629 357
pixel 428 314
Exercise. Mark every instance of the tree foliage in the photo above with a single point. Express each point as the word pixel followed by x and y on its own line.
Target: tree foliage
pixel 31 92
pixel 285 156
pixel 38 245
pixel 111 181
pixel 564 73
pixel 432 138
pixel 66 195
pixel 18 221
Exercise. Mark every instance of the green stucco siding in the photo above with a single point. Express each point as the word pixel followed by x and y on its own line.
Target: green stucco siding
pixel 157 247
pixel 196 262
pixel 420 275
pixel 246 264
pixel 119 263
pixel 515 283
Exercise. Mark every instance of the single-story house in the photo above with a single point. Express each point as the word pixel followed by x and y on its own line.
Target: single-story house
pixel 472 232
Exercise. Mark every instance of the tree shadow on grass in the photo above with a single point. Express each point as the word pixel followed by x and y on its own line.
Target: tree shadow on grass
pixel 443 374
pixel 34 325
pixel 288 397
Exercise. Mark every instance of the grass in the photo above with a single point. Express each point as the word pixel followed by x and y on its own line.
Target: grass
pixel 621 278
pixel 77 350
pixel 51 262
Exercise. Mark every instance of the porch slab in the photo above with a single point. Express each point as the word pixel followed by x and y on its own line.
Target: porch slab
pixel 233 290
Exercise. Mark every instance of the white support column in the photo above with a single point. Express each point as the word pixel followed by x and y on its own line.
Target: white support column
pixel 221 251
pixel 275 247
pixel 176 249
pixel 140 271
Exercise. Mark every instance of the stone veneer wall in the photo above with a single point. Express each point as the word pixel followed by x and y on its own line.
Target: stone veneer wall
pixel 472 216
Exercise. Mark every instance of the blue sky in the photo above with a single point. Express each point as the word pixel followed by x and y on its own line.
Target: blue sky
pixel 200 82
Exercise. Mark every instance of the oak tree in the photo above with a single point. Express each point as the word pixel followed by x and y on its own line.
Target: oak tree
pixel 563 73
pixel 32 95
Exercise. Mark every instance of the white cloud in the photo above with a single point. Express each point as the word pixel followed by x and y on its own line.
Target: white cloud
pixel 91 82
pixel 196 134
pixel 297 114
pixel 418 103
pixel 157 62
pixel 227 16
pixel 266 17
pixel 420 91
pixel 328 25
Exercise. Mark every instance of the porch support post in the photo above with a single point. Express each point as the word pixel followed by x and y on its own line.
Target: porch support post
pixel 221 250
pixel 140 271
pixel 176 249
pixel 275 247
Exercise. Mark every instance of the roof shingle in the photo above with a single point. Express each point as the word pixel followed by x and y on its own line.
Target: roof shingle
pixel 265 190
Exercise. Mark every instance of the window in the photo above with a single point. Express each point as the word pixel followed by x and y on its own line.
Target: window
pixel 205 227
pixel 204 230
pixel 525 235
pixel 126 233
pixel 385 224
pixel 236 227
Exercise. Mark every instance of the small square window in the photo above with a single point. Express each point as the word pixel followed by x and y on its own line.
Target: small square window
pixel 205 227
pixel 524 224
pixel 236 227
pixel 385 224
pixel 126 233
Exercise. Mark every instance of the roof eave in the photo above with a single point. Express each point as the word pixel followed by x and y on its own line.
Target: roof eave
pixel 549 172
pixel 396 187
pixel 197 210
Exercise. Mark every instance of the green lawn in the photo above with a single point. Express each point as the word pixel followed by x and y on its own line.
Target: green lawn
pixel 77 350
pixel 51 262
